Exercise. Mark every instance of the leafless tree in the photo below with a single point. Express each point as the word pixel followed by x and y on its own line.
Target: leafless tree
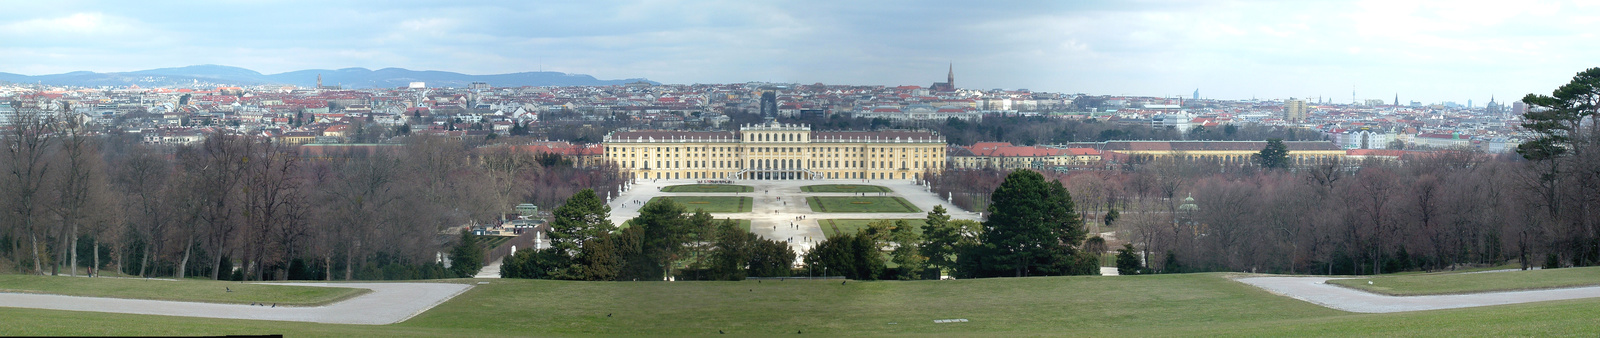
pixel 27 144
pixel 272 187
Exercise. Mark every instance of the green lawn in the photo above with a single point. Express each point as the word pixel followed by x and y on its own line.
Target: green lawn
pixel 708 188
pixel 1449 283
pixel 188 290
pixel 743 224
pixel 492 241
pixel 713 204
pixel 860 204
pixel 831 227
pixel 844 188
pixel 1152 305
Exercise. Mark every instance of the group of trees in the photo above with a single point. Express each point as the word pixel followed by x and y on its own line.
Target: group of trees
pixel 1437 210
pixel 664 240
pixel 240 207
pixel 1425 211
pixel 1032 229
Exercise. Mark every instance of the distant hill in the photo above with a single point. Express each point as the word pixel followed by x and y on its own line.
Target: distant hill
pixel 347 77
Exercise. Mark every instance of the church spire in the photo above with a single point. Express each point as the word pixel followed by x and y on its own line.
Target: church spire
pixel 952 77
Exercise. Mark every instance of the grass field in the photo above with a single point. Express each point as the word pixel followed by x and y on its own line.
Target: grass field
pixel 844 188
pixel 178 290
pixel 490 242
pixel 1152 305
pixel 832 227
pixel 713 204
pixel 1450 283
pixel 743 224
pixel 707 188
pixel 860 204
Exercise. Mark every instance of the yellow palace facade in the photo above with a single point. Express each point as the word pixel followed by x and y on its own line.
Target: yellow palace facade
pixel 774 151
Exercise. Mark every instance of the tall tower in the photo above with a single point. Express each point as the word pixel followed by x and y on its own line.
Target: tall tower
pixel 1396 99
pixel 319 81
pixel 1197 93
pixel 951 79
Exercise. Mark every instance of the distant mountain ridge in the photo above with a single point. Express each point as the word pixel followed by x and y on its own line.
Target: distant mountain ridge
pixel 347 77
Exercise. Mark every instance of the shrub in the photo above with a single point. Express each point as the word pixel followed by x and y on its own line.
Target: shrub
pixel 1128 261
pixel 1551 261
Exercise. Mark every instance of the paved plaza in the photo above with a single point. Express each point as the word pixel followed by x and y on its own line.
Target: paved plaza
pixel 779 206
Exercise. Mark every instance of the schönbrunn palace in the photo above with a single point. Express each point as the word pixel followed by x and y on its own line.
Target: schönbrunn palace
pixel 775 151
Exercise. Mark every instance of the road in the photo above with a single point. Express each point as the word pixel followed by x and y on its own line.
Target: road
pixel 388 303
pixel 1316 291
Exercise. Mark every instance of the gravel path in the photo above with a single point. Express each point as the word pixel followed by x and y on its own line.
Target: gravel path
pixel 1316 291
pixel 388 303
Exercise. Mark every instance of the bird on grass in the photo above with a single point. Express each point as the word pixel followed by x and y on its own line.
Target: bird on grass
pixel 608 315
pixel 274 305
pixel 796 331
pixel 227 288
pixel 842 283
pixel 720 332
pixel 1369 282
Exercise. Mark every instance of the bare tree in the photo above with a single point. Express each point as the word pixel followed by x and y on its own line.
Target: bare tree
pixel 271 187
pixel 79 184
pixel 142 178
pixel 27 143
pixel 216 170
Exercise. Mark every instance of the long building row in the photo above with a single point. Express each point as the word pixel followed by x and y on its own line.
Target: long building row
pixel 795 152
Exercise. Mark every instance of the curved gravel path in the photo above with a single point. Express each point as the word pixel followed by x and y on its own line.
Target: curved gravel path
pixel 1317 291
pixel 388 303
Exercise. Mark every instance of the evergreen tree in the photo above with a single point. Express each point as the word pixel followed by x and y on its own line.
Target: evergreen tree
pixel 1558 118
pixel 770 258
pixel 598 259
pixel 732 252
pixel 664 229
pixel 467 256
pixel 1032 225
pixel 1128 261
pixel 1274 155
pixel 839 255
pixel 580 219
pixel 866 256
pixel 939 241
pixel 906 253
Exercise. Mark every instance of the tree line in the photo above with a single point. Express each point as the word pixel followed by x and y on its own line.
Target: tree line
pixel 241 207
pixel 1428 211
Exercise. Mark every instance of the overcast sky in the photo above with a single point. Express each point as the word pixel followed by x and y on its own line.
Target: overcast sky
pixel 1427 51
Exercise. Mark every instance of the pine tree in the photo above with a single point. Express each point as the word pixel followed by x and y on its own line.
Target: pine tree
pixel 1274 155
pixel 1031 225
pixel 581 218
pixel 467 256
pixel 939 240
pixel 906 253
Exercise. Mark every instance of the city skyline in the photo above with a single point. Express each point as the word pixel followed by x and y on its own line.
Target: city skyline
pixel 1425 51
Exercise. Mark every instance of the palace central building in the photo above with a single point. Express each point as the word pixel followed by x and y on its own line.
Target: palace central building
pixel 774 151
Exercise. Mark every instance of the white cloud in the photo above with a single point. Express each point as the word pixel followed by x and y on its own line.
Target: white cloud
pixel 1430 50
